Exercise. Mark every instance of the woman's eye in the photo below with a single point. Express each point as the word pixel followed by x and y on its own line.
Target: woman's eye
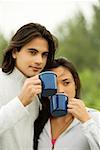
pixel 66 83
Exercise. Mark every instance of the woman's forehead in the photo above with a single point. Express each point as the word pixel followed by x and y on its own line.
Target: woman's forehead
pixel 62 71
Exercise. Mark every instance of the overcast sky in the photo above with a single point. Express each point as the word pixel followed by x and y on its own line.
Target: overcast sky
pixel 50 13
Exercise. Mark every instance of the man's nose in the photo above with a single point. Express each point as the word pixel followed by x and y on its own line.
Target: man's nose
pixel 39 59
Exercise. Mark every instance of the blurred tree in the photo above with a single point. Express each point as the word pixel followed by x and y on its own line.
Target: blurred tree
pixel 91 87
pixel 79 41
pixel 95 30
pixel 3 45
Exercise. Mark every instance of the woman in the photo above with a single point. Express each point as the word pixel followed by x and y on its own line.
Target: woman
pixel 79 129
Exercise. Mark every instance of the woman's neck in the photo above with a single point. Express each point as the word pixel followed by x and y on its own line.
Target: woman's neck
pixel 60 124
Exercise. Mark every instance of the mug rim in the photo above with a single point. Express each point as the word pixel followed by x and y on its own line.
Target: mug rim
pixel 60 94
pixel 47 72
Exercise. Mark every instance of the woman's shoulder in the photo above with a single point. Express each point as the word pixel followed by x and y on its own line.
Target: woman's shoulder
pixel 94 113
pixel 92 110
pixel 3 78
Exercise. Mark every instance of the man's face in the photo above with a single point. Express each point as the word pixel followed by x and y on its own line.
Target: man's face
pixel 32 57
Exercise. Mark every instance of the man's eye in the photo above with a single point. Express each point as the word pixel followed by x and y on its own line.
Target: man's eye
pixel 32 52
pixel 45 54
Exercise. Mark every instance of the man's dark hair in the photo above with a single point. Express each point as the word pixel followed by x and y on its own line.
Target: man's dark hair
pixel 23 36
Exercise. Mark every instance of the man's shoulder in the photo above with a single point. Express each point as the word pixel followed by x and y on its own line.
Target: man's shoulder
pixel 0 69
pixel 2 75
pixel 1 72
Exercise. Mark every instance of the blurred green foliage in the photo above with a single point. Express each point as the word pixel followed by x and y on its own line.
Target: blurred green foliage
pixel 90 93
pixel 3 45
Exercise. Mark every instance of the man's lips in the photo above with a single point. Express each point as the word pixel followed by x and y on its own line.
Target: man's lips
pixel 36 68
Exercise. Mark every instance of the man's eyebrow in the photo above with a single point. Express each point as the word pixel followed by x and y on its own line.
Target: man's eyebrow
pixel 32 49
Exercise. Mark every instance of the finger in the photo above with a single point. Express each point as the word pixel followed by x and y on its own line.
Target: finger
pixel 37 82
pixel 34 77
pixel 70 106
pixel 33 82
pixel 36 87
pixel 77 102
pixel 37 91
pixel 73 99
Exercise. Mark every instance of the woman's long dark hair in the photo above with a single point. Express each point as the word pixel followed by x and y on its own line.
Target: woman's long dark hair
pixel 44 114
pixel 23 36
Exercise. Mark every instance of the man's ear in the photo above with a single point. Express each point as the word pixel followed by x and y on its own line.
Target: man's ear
pixel 14 52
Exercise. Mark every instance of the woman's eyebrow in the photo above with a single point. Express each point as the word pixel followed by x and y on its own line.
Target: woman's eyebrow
pixel 65 79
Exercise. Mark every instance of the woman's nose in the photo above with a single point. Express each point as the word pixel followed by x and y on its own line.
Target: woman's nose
pixel 60 89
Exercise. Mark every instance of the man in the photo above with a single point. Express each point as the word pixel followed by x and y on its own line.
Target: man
pixel 30 50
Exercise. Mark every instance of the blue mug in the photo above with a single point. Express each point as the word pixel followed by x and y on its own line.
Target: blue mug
pixel 58 105
pixel 49 83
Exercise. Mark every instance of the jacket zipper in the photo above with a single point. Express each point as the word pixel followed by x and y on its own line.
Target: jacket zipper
pixel 53 147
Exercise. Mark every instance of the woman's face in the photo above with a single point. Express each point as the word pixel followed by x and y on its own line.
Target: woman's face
pixel 65 81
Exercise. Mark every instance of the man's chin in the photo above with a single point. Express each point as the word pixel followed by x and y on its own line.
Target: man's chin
pixel 33 74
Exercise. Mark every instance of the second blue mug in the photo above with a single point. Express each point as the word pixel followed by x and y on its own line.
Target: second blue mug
pixel 58 105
